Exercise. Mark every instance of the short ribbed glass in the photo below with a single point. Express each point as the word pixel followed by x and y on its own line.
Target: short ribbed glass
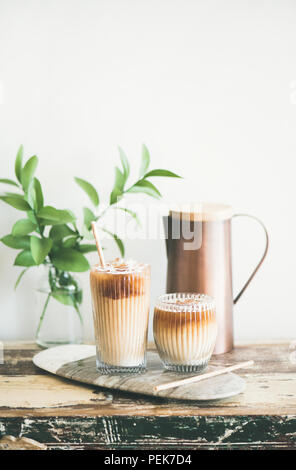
pixel 185 331
pixel 120 299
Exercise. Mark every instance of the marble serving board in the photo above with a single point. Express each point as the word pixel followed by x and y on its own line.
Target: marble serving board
pixel 78 362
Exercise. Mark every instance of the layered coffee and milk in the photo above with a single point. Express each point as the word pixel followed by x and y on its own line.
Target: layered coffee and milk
pixel 120 298
pixel 185 331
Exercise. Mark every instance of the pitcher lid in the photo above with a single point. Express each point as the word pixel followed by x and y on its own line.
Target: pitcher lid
pixel 202 211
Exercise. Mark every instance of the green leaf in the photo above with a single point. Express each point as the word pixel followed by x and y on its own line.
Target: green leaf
pixel 19 243
pixel 87 234
pixel 17 202
pixel 31 217
pixel 8 181
pixel 131 213
pixel 87 248
pixel 31 195
pixel 68 259
pixel 24 258
pixel 144 186
pixel 58 232
pixel 52 216
pixel 115 196
pixel 23 227
pixel 89 217
pixel 89 189
pixel 70 242
pixel 145 161
pixel 119 179
pixel 120 244
pixel 118 186
pixel 17 195
pixel 66 299
pixel 39 193
pixel 28 171
pixel 20 277
pixel 18 163
pixel 35 195
pixel 40 247
pixel 125 163
pixel 160 172
pixel 78 297
pixel 118 241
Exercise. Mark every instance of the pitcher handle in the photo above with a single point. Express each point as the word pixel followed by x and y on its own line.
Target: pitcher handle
pixel 262 258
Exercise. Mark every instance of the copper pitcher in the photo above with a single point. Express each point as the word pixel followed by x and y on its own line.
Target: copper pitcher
pixel 199 260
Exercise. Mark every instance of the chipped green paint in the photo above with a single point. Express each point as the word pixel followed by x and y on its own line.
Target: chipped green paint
pixel 123 432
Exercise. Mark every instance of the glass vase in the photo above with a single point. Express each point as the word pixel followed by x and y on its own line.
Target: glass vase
pixel 59 297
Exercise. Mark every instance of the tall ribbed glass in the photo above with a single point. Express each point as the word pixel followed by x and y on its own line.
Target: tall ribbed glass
pixel 120 299
pixel 185 331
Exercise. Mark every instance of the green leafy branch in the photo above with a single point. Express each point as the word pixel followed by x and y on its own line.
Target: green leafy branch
pixel 141 185
pixel 47 235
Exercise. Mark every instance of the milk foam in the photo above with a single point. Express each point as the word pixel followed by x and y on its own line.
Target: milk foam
pixel 121 266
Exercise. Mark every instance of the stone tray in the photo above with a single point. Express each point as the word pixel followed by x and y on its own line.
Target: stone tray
pixel 77 362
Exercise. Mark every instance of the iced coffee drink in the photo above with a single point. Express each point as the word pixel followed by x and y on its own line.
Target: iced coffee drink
pixel 120 299
pixel 185 331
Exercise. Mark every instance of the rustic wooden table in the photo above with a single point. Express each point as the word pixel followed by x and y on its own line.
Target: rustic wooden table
pixel 65 415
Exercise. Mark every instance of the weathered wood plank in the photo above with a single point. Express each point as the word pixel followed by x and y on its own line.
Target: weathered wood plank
pixel 45 391
pixel 20 443
pixel 55 397
pixel 156 432
pixel 19 364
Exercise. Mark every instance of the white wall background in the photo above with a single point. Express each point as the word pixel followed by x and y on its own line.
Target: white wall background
pixel 208 85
